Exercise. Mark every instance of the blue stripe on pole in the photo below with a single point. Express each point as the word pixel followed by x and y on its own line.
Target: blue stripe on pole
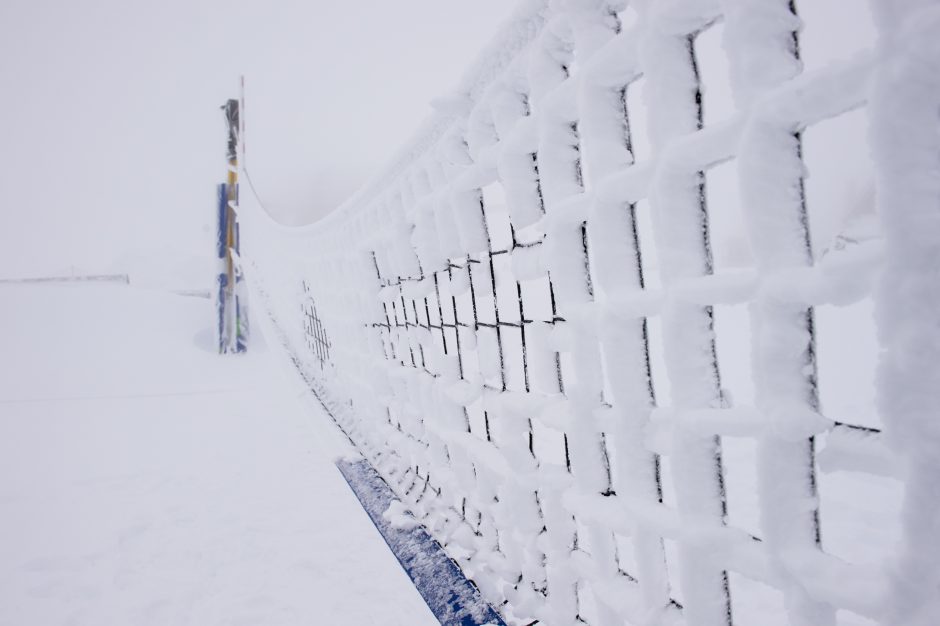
pixel 241 318
pixel 220 304
pixel 222 222
pixel 453 599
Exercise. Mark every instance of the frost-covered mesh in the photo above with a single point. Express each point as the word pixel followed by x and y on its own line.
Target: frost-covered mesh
pixel 614 345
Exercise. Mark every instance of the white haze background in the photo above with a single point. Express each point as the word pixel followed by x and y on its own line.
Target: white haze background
pixel 111 140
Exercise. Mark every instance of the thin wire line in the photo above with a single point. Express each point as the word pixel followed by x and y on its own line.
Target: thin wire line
pixel 121 396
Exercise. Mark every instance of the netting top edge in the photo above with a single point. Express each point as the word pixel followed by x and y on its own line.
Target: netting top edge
pixel 515 34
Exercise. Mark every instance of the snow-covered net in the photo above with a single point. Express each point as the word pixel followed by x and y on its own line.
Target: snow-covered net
pixel 609 347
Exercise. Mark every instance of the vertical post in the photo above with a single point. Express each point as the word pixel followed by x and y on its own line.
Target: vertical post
pixel 232 312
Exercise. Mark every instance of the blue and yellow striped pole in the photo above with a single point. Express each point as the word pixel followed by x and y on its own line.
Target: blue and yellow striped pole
pixel 232 312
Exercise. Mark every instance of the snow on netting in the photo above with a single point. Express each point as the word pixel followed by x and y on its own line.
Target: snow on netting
pixel 608 325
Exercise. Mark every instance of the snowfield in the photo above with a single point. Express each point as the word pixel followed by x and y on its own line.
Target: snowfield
pixel 641 326
pixel 146 480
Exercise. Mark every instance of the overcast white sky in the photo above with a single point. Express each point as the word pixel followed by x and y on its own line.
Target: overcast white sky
pixel 111 137
pixel 110 133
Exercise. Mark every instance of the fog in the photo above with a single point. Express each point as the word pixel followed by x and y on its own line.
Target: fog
pixel 111 137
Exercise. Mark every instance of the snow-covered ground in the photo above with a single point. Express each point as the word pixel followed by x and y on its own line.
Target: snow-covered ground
pixel 146 480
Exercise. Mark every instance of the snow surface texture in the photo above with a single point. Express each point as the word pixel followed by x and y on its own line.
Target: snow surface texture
pixel 602 404
pixel 146 480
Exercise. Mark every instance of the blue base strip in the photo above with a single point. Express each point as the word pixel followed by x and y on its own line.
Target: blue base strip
pixel 453 599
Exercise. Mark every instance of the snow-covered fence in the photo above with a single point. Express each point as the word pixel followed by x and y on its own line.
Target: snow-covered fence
pixel 606 412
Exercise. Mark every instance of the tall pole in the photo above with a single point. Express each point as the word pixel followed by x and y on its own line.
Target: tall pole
pixel 233 321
